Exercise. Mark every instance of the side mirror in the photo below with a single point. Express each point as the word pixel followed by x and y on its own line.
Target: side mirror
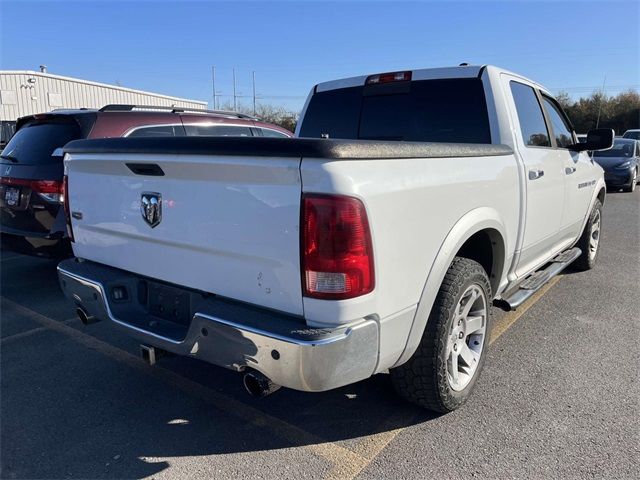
pixel 597 139
pixel 58 152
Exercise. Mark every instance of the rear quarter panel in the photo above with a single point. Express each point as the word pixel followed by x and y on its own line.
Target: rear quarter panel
pixel 412 205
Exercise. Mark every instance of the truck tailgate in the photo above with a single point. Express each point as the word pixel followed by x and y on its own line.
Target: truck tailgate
pixel 229 225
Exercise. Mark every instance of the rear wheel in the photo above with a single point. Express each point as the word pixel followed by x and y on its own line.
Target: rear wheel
pixel 444 369
pixel 589 242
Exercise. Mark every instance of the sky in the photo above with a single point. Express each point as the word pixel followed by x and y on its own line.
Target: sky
pixel 169 47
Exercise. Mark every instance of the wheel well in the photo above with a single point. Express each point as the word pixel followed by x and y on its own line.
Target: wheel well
pixel 487 248
pixel 601 195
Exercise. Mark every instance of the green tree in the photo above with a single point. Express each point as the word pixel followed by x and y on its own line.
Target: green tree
pixel 620 112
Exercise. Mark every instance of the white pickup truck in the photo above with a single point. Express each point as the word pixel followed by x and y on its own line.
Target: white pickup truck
pixel 375 241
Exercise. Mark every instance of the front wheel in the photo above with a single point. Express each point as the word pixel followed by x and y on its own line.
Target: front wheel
pixel 443 371
pixel 589 242
pixel 634 180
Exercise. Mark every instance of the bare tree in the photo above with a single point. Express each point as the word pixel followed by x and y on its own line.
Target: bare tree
pixel 275 114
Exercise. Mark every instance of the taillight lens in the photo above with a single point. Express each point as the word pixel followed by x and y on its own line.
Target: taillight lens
pixel 50 190
pixel 337 254
pixel 65 204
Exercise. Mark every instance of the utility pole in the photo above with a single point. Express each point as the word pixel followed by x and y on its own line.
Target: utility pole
pixel 235 104
pixel 253 77
pixel 601 99
pixel 213 85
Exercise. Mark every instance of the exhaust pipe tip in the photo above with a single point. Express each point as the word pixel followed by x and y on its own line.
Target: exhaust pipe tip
pixel 85 317
pixel 258 385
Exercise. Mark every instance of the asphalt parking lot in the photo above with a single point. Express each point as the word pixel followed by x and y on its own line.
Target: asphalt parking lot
pixel 559 396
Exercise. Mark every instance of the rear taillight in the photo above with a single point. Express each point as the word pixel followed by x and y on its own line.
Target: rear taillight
pixel 50 190
pixel 65 204
pixel 337 255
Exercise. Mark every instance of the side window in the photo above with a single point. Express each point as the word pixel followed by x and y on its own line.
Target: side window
pixel 532 125
pixel 266 132
pixel 559 123
pixel 217 131
pixel 158 131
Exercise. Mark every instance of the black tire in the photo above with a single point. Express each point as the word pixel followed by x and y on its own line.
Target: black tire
pixel 587 260
pixel 632 183
pixel 423 379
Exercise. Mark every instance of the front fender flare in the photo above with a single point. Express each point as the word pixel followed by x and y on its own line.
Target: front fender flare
pixel 472 222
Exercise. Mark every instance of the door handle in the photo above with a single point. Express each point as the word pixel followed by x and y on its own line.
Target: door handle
pixel 535 174
pixel 569 170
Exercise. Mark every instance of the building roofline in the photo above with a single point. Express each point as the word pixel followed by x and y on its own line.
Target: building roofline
pixel 98 84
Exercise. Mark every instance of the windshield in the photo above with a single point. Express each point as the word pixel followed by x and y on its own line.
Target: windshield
pixel 34 143
pixel 451 110
pixel 620 149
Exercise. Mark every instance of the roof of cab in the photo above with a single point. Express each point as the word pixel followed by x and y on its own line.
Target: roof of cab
pixel 461 71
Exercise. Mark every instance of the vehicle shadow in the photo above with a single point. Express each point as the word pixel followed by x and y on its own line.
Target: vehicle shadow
pixel 70 410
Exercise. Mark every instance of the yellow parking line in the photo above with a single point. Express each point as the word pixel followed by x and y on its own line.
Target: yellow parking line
pixel 347 464
pixel 334 453
pixel 510 318
pixel 375 444
pixel 4 258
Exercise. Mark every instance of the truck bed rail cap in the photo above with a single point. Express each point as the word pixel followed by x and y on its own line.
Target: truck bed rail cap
pixel 285 147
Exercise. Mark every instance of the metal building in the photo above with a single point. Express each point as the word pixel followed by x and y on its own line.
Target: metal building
pixel 24 92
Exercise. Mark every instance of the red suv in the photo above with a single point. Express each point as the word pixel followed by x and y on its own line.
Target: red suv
pixel 32 219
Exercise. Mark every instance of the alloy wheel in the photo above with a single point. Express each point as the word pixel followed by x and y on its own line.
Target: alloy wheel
pixel 594 237
pixel 466 338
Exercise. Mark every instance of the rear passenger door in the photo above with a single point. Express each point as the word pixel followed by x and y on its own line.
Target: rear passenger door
pixel 544 175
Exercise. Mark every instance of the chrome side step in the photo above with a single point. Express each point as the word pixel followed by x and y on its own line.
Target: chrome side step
pixel 536 280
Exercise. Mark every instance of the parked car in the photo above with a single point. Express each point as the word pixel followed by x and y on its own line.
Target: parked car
pixel 621 163
pixel 7 129
pixel 32 218
pixel 633 134
pixel 377 242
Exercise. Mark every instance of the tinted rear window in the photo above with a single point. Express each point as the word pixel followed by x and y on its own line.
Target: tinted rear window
pixel 634 135
pixel 217 131
pixel 452 110
pixel 34 143
pixel 267 132
pixel 158 131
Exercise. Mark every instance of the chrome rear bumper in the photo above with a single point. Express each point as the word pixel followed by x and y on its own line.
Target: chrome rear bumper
pixel 227 333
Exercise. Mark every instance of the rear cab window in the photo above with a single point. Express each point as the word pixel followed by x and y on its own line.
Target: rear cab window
pixel 442 110
pixel 34 142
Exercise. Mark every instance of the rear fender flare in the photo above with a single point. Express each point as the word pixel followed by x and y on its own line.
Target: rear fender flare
pixel 471 223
